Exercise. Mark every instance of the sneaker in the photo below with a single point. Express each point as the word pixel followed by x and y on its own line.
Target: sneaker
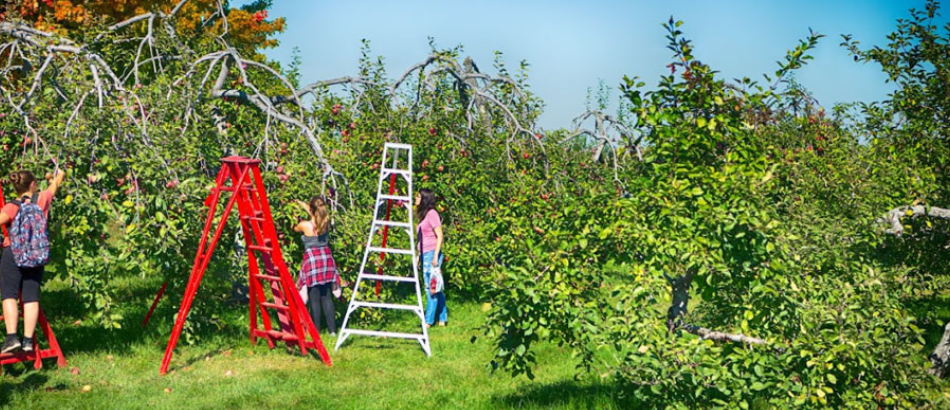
pixel 441 324
pixel 27 345
pixel 332 334
pixel 10 345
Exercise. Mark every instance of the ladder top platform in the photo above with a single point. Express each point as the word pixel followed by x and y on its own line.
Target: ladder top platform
pixel 240 160
pixel 397 145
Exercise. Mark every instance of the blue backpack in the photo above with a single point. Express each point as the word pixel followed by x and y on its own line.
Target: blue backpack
pixel 28 237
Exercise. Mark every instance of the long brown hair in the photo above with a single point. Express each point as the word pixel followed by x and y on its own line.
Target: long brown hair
pixel 319 215
pixel 22 180
pixel 426 203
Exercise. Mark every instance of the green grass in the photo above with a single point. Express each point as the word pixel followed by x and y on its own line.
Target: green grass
pixel 222 369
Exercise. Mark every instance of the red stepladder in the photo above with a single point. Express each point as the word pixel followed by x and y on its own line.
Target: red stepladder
pixel 262 246
pixel 38 354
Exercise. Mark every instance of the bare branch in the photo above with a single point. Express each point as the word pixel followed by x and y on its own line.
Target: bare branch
pixel 894 216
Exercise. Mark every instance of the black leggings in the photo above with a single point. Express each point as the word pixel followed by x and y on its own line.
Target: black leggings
pixel 13 279
pixel 322 296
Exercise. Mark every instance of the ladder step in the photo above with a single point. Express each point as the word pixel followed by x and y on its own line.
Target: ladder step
pixel 404 172
pixel 393 197
pixel 392 223
pixel 269 277
pixel 390 250
pixel 386 306
pixel 260 248
pixel 396 145
pixel 373 276
pixel 276 335
pixel 275 306
pixel 253 218
pixel 416 336
pixel 248 187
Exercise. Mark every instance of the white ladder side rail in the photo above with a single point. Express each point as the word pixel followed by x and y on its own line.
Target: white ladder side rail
pixel 355 303
pixel 359 277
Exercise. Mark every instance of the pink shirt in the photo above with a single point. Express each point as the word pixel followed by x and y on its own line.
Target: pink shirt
pixel 43 200
pixel 427 227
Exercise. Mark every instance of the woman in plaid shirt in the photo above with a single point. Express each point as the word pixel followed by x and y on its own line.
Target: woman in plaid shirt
pixel 318 270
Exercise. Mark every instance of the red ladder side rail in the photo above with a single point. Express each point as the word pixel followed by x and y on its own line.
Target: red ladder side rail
pixel 250 219
pixel 281 267
pixel 389 207
pixel 254 217
pixel 212 197
pixel 285 293
pixel 202 257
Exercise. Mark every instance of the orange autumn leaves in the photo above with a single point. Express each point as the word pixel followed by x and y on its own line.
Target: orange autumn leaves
pixel 247 30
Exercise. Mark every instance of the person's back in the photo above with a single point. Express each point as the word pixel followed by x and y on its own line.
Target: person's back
pixel 25 252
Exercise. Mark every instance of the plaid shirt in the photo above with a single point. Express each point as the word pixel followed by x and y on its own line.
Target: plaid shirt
pixel 318 267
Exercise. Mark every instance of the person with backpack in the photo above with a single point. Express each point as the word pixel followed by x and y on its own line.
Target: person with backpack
pixel 25 252
pixel 318 273
pixel 430 245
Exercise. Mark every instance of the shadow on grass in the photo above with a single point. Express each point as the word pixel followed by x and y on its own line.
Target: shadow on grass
pixel 31 382
pixel 568 394
pixel 76 333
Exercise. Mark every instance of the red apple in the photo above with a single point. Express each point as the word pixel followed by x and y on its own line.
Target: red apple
pixel 352 125
pixel 432 131
pixel 525 155
pixel 441 168
pixel 424 163
pixel 280 169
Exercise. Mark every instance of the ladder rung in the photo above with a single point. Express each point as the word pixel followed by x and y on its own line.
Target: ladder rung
pixel 249 187
pixel 269 277
pixel 275 306
pixel 386 306
pixel 253 218
pixel 396 145
pixel 260 248
pixel 390 250
pixel 417 336
pixel 404 172
pixel 373 276
pixel 393 197
pixel 392 223
pixel 276 335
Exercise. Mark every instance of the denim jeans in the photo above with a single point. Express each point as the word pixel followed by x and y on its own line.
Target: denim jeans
pixel 435 304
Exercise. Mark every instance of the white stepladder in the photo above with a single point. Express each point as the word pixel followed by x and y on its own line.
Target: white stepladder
pixel 389 170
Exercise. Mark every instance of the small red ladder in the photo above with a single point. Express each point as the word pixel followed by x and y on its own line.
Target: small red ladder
pixel 37 355
pixel 261 242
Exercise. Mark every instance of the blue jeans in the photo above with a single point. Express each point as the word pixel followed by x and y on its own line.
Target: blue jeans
pixel 435 304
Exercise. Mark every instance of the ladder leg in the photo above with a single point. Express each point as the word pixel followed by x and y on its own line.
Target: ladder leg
pixel 202 259
pixel 179 322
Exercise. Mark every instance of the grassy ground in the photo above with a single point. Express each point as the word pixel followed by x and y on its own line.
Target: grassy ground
pixel 222 370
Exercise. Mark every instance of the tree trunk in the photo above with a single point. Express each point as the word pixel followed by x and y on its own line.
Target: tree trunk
pixel 941 355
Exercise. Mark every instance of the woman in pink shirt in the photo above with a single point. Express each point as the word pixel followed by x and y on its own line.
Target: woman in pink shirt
pixel 430 245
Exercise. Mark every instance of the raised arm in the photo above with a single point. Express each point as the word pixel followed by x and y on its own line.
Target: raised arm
pixel 56 182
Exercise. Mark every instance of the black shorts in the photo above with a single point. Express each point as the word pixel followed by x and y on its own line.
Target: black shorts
pixel 13 279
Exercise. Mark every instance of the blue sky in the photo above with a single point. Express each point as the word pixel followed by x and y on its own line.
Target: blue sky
pixel 572 45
